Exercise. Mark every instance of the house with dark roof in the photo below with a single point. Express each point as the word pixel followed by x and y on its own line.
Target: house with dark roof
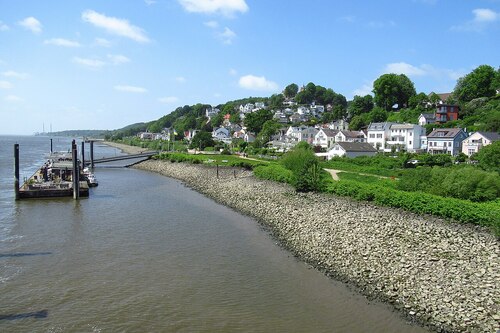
pixel 324 138
pixel 445 141
pixel 350 136
pixel 478 140
pixel 351 149
pixel 426 118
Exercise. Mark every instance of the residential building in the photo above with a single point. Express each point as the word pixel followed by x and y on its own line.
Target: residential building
pixel 307 134
pixel 211 112
pixel 339 125
pixel 426 118
pixel 350 136
pixel 351 149
pixel 378 133
pixel 221 134
pixel 478 140
pixel 445 113
pixel 405 137
pixel 325 138
pixel 445 141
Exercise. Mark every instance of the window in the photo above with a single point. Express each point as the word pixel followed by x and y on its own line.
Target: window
pixel 379 136
pixel 411 133
pixel 372 136
pixel 409 142
pixel 449 144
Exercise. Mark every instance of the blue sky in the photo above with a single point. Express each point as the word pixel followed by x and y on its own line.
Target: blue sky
pixel 105 64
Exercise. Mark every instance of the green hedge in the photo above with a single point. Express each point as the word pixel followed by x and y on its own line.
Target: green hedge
pixel 221 160
pixel 485 214
pixel 275 172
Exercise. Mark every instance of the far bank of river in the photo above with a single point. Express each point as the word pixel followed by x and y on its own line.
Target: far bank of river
pixel 445 276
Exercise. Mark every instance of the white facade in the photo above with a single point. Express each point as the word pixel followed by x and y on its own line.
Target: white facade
pixel 210 112
pixel 220 134
pixel 324 138
pixel 405 137
pixel 378 133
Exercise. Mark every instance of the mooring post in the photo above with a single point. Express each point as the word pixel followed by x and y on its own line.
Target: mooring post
pixel 217 165
pixel 51 150
pixel 83 154
pixel 76 181
pixel 16 170
pixel 92 154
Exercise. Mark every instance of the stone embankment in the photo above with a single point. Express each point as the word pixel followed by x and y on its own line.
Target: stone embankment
pixel 442 275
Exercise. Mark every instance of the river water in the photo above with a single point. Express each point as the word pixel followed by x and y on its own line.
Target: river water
pixel 146 254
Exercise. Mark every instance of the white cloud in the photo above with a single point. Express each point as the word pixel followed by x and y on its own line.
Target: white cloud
pixel 484 15
pixel 130 89
pixel 15 74
pixel 168 100
pixel 422 70
pixel 366 89
pixel 259 83
pixel 5 85
pixel 224 7
pixel 102 42
pixel 404 68
pixel 211 24
pixel 115 26
pixel 180 79
pixel 118 59
pixel 3 26
pixel 89 63
pixel 482 18
pixel 32 24
pixel 13 98
pixel 227 36
pixel 62 42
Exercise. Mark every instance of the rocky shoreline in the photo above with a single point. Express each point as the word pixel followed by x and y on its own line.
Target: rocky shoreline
pixel 444 276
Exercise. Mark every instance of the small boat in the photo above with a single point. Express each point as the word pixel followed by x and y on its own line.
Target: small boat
pixel 90 177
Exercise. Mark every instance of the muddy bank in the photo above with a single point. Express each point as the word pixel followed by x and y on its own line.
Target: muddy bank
pixel 445 276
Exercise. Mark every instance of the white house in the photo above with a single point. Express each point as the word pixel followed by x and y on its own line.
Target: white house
pixel 445 141
pixel 478 140
pixel 351 149
pixel 350 136
pixel 339 125
pixel 324 138
pixel 405 137
pixel 211 112
pixel 426 118
pixel 378 133
pixel 303 110
pixel 249 137
pixel 247 108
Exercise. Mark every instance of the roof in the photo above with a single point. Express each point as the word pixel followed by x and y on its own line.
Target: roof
pixel 427 115
pixel 351 134
pixel 357 146
pixel 329 132
pixel 446 133
pixel 492 136
pixel 402 126
pixel 379 126
pixel 444 96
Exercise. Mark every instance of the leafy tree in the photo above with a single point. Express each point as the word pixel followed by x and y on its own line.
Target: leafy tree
pixel 201 140
pixel 360 105
pixel 378 115
pixel 217 120
pixel 307 173
pixel 356 123
pixel 418 101
pixel 339 112
pixel 291 90
pixel 276 101
pixel 304 97
pixel 479 83
pixel 489 157
pixel 390 89
pixel 434 99
pixel 235 118
pixel 255 120
pixel 328 117
pixel 269 129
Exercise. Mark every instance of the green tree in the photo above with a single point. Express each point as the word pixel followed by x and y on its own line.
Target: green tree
pixel 235 118
pixel 390 89
pixel 479 83
pixel 356 123
pixel 291 90
pixel 489 157
pixel 269 129
pixel 360 105
pixel 201 140
pixel 304 97
pixel 307 172
pixel 418 101
pixel 255 120
pixel 276 101
pixel 378 115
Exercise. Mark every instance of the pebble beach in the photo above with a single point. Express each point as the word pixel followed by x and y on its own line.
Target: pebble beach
pixel 443 275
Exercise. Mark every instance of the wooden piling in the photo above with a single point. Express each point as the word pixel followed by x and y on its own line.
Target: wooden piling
pixel 76 181
pixel 16 170
pixel 217 165
pixel 51 150
pixel 83 154
pixel 92 154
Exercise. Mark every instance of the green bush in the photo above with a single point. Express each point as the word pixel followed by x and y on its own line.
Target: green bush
pixel 485 214
pixel 275 172
pixel 305 167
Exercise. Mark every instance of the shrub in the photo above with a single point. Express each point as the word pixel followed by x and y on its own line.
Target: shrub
pixel 275 172
pixel 307 173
